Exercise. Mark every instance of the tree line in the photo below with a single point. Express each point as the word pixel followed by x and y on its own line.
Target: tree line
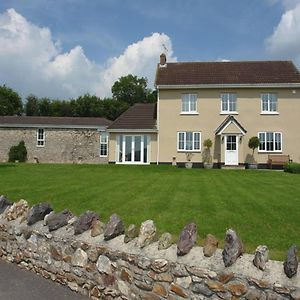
pixel 127 91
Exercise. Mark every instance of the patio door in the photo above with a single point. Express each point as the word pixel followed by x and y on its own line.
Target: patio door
pixel 133 149
pixel 231 150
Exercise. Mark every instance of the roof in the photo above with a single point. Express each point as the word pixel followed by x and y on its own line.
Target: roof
pixel 139 116
pixel 230 119
pixel 223 73
pixel 70 122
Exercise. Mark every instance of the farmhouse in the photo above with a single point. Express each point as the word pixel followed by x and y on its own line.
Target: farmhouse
pixel 56 139
pixel 226 102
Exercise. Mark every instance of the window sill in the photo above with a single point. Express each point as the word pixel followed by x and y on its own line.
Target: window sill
pixel 265 152
pixel 269 113
pixel 189 113
pixel 39 146
pixel 229 113
pixel 189 151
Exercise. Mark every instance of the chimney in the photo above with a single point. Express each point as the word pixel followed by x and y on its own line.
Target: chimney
pixel 163 59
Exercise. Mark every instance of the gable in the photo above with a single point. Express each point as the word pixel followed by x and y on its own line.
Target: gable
pixel 230 125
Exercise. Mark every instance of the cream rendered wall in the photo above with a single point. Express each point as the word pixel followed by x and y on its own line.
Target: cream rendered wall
pixel 113 143
pixel 209 118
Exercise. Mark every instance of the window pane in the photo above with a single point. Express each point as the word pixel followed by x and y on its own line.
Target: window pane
pixel 137 148
pixel 270 141
pixel 185 103
pixel 232 102
pixel 278 141
pixel 196 141
pixel 181 141
pixel 189 141
pixel 193 102
pixel 264 99
pixel 145 148
pixel 128 148
pixel 273 102
pixel 224 99
pixel 262 141
pixel 120 156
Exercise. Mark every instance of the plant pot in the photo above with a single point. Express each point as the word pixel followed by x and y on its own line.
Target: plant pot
pixel 188 165
pixel 252 166
pixel 208 165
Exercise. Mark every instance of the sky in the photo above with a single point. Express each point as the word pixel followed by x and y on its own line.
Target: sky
pixel 66 48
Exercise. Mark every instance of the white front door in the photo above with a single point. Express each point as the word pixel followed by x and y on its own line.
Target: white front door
pixel 231 150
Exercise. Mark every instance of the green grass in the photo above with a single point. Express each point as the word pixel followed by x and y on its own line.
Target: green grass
pixel 262 206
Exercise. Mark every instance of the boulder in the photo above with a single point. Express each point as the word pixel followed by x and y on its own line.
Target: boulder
pixel 114 227
pixel 58 220
pixel 17 210
pixel 85 221
pixel 38 213
pixel 291 263
pixel 4 203
pixel 131 233
pixel 233 248
pixel 147 233
pixel 97 228
pixel 261 257
pixel 165 241
pixel 210 245
pixel 187 239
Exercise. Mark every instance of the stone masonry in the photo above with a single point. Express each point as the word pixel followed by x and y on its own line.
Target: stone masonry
pixel 61 145
pixel 113 269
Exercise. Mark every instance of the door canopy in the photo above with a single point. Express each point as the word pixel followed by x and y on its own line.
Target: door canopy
pixel 231 125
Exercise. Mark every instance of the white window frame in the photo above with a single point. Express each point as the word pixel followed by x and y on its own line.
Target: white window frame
pixel 40 142
pixel 189 99
pixel 184 149
pixel 103 143
pixel 228 111
pixel 265 141
pixel 268 111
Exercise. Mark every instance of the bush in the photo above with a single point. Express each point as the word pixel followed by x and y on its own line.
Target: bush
pixel 292 168
pixel 18 153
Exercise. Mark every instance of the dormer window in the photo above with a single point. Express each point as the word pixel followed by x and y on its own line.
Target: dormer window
pixel 269 103
pixel 228 103
pixel 189 104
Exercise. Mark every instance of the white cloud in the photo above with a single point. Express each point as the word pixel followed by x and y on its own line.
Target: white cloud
pixel 32 62
pixel 285 41
pixel 287 4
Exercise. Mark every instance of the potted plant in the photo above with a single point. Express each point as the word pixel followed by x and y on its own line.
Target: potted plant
pixel 189 163
pixel 253 144
pixel 207 158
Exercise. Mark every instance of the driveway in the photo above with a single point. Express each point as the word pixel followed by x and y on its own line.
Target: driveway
pixel 20 284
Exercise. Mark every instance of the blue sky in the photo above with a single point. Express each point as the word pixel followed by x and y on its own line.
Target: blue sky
pixel 69 47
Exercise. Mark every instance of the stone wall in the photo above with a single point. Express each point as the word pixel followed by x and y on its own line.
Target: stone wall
pixel 61 145
pixel 98 260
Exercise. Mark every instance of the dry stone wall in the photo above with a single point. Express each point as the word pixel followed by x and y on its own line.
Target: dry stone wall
pixel 61 145
pixel 100 261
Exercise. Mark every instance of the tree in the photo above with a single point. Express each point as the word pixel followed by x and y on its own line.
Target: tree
pixel 10 102
pixel 130 89
pixel 32 106
pixel 112 108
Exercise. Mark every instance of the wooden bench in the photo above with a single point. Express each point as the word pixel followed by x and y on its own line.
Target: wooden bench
pixel 277 160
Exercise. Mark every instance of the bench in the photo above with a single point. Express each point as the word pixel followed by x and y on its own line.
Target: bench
pixel 277 160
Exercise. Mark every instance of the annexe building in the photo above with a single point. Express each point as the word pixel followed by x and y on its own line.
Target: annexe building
pixel 56 139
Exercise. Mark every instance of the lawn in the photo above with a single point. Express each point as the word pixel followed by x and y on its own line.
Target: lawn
pixel 263 206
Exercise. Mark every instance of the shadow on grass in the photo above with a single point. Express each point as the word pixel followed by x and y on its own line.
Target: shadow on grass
pixel 5 165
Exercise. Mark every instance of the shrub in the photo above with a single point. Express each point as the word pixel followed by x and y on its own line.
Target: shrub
pixel 292 168
pixel 18 153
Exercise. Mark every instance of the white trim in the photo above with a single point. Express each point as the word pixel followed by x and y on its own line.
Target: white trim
pixel 133 130
pixel 236 150
pixel 242 85
pixel 229 123
pixel 103 143
pixel 42 140
pixel 270 151
pixel 193 141
pixel 270 113
pixel 229 113
pixel 189 113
